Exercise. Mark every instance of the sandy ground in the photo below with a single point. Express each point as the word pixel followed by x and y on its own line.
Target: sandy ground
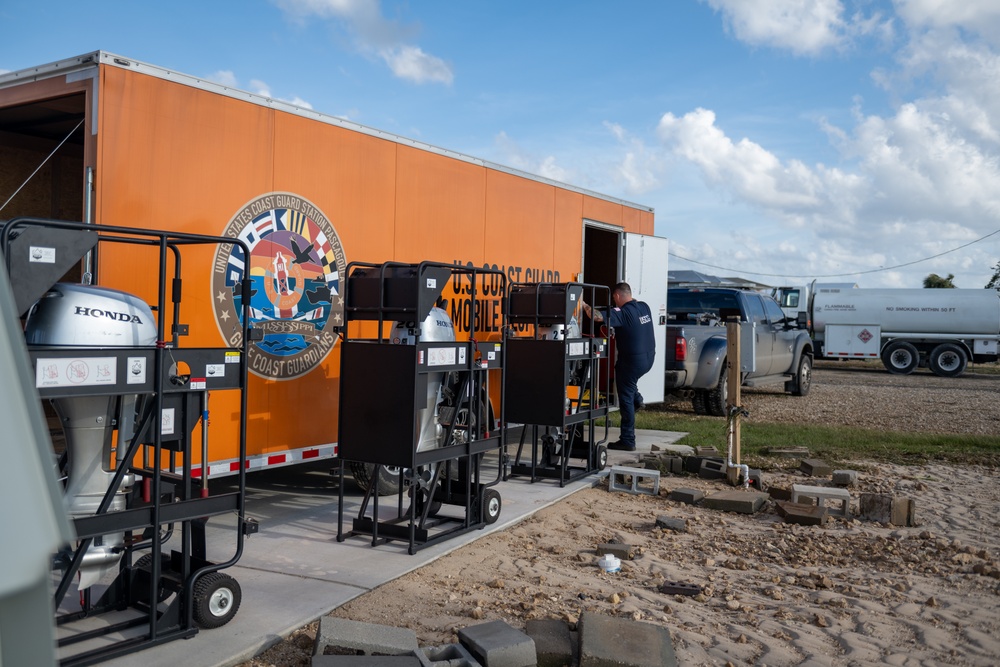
pixel 848 593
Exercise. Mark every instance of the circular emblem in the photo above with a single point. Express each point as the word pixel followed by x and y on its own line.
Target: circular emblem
pixel 295 265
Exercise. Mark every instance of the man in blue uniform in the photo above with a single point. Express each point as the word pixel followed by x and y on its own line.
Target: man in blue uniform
pixel 634 348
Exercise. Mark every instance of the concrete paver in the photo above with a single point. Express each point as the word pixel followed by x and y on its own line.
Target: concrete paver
pixel 294 571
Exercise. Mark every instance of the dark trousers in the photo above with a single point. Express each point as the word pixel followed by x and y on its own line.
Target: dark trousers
pixel 628 370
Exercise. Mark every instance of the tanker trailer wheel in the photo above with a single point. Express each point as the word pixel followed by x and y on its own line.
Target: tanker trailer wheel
pixel 803 377
pixel 948 360
pixel 900 357
pixel 217 598
pixel 716 399
pixel 388 477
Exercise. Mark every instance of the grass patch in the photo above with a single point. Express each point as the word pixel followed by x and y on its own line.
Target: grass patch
pixel 834 444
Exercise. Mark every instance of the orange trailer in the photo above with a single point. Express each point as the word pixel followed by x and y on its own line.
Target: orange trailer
pixel 113 141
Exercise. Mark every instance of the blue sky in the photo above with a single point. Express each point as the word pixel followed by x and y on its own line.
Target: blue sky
pixel 795 138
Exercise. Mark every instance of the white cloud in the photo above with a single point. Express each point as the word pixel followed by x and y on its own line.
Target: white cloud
pixel 375 36
pixel 805 27
pixel 515 156
pixel 228 78
pixel 639 168
pixel 223 77
pixel 412 64
pixel 981 17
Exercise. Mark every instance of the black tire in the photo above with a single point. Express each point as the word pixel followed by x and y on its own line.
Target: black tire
pixel 388 478
pixel 602 457
pixel 492 505
pixel 217 598
pixel 948 360
pixel 699 401
pixel 900 357
pixel 803 376
pixel 716 399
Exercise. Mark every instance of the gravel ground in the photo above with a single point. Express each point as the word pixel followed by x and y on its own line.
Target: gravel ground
pixel 850 593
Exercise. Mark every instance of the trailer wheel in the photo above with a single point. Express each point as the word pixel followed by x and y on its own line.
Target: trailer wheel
pixel 948 360
pixel 716 398
pixel 900 357
pixel 388 477
pixel 491 505
pixel 803 377
pixel 217 598
pixel 699 401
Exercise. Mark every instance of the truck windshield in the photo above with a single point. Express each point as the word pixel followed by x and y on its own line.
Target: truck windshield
pixel 687 305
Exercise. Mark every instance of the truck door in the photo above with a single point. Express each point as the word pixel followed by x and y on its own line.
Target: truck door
pixel 783 349
pixel 645 270
pixel 763 336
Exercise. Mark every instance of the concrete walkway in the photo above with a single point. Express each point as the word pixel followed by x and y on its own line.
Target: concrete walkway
pixel 294 571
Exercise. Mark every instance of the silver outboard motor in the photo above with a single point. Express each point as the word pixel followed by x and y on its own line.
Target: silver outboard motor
pixel 437 327
pixel 86 316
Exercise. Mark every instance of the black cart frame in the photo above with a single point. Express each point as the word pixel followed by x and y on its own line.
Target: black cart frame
pixel 563 373
pixel 157 594
pixel 385 372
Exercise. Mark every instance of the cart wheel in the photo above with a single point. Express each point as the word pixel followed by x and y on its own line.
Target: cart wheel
pixel 145 561
pixel 602 457
pixel 491 505
pixel 217 598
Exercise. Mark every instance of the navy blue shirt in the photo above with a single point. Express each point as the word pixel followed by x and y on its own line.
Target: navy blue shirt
pixel 633 324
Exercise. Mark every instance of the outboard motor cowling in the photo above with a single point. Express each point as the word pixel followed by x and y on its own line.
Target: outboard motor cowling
pixel 87 316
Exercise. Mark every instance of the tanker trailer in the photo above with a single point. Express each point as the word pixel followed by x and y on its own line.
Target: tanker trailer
pixel 940 329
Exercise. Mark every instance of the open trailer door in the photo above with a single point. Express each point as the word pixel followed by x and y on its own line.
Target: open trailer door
pixel 645 270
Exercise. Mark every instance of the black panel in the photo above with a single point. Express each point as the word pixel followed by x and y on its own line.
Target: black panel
pixel 536 382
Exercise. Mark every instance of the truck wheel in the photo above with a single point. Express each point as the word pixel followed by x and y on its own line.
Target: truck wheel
pixel 716 399
pixel 699 401
pixel 900 357
pixel 217 598
pixel 948 360
pixel 388 478
pixel 803 377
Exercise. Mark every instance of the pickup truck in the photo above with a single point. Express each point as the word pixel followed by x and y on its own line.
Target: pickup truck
pixel 774 348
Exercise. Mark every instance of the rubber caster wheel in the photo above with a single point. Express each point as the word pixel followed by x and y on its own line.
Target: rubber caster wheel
pixel 491 505
pixel 602 457
pixel 217 598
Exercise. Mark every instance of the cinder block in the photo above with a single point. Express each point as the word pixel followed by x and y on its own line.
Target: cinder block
pixel 554 645
pixel 692 464
pixel 885 508
pixel 711 469
pixel 670 523
pixel 706 450
pixel 800 513
pixel 366 637
pixel 371 661
pixel 634 480
pixel 449 655
pixel 679 588
pixel 821 494
pixel 845 477
pixel 816 467
pixel 779 493
pixel 496 644
pixel 755 479
pixel 622 551
pixel 687 496
pixel 607 641
pixel 675 464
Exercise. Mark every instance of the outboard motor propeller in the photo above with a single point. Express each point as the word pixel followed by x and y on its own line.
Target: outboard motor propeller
pixel 86 316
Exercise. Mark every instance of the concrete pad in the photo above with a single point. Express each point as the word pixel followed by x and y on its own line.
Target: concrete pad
pixel 294 571
pixel 618 642
pixel 744 502
pixel 497 644
pixel 553 641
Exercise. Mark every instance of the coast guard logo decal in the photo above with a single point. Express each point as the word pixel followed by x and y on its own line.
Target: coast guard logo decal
pixel 295 266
